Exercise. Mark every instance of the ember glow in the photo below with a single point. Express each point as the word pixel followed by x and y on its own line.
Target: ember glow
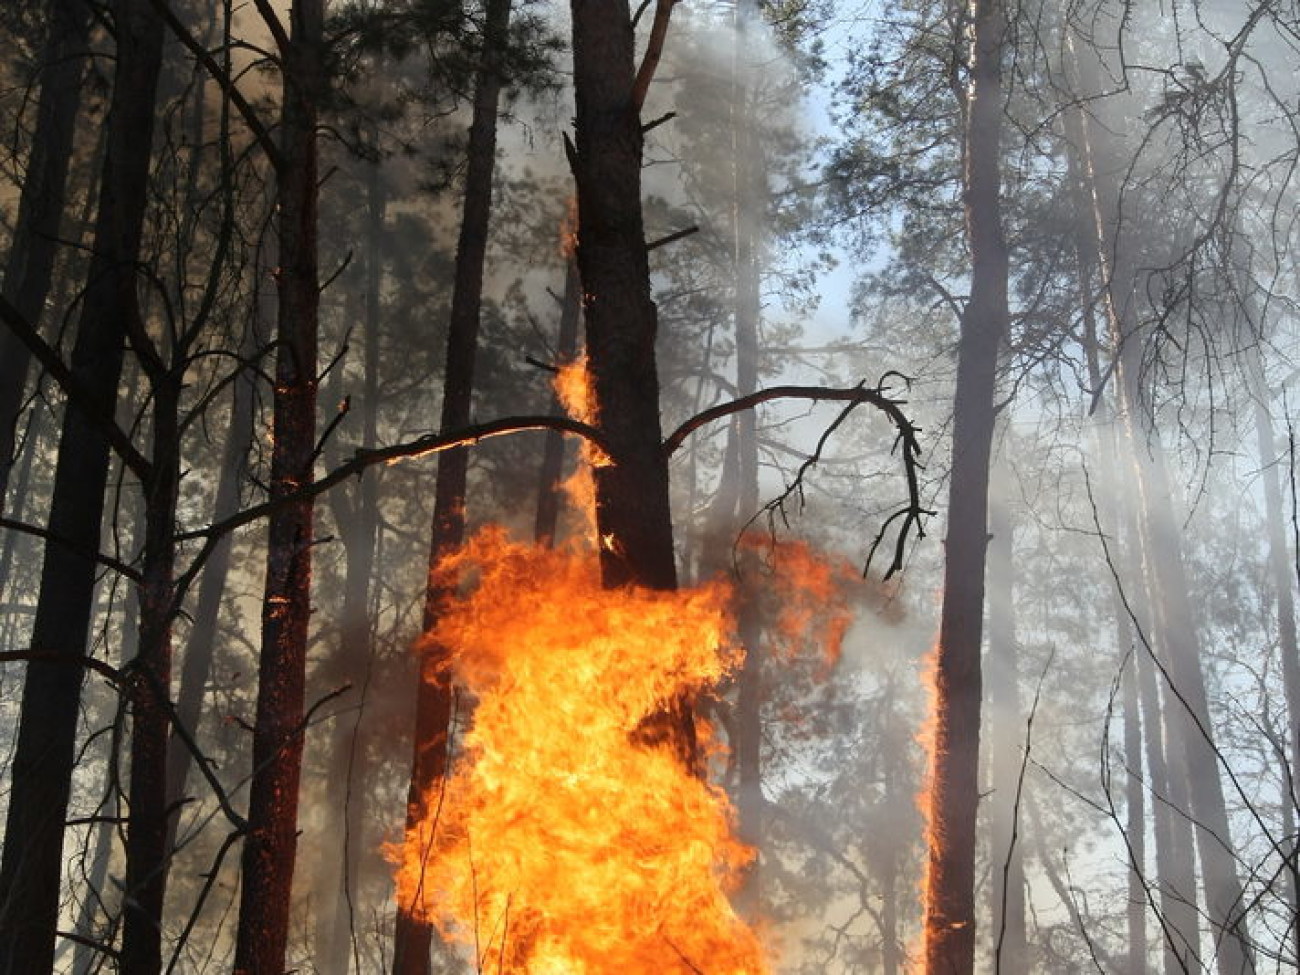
pixel 564 843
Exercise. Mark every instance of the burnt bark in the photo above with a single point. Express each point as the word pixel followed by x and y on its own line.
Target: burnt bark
pixel 434 697
pixel 31 868
pixel 633 518
pixel 949 923
pixel 270 846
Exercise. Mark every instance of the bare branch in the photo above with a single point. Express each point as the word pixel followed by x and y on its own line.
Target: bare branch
pixel 105 560
pixel 76 392
pixel 223 79
pixel 913 514
pixel 653 52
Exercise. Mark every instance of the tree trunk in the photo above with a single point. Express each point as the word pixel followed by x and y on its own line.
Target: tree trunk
pixel 1007 738
pixel 633 518
pixel 954 786
pixel 749 198
pixel 358 526
pixel 270 846
pixel 434 697
pixel 1282 577
pixel 43 761
pixel 148 827
pixel 36 237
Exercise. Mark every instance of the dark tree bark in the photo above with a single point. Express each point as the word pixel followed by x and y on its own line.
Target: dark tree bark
pixel 30 263
pixel 270 846
pixel 148 827
pixel 43 760
pixel 434 697
pixel 954 787
pixel 633 518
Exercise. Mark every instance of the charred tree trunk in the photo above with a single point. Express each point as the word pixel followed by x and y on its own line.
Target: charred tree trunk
pixel 270 846
pixel 43 761
pixel 1086 252
pixel 434 698
pixel 633 518
pixel 30 264
pixel 954 788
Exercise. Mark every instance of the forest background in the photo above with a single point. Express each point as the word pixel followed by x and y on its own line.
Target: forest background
pixel 994 302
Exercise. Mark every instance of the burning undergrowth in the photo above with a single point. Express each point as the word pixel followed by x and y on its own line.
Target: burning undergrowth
pixel 563 843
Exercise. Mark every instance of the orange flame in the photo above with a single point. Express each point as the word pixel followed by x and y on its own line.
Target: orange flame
pixel 565 844
pixel 927 738
pixel 569 230
pixel 573 389
pixel 811 590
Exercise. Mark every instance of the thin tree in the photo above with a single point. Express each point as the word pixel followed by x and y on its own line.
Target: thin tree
pixel 270 846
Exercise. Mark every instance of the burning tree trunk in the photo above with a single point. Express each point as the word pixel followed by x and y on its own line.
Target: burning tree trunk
pixel 954 786
pixel 42 768
pixel 435 697
pixel 270 845
pixel 36 236
pixel 633 517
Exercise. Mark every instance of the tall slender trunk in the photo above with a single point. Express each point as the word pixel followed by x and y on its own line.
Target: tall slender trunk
pixel 749 197
pixel 434 698
pixel 32 249
pixel 150 691
pixel 358 526
pixel 43 761
pixel 954 786
pixel 1086 252
pixel 1006 739
pixel 1282 577
pixel 270 846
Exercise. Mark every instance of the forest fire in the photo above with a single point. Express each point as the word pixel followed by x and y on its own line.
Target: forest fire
pixel 564 843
